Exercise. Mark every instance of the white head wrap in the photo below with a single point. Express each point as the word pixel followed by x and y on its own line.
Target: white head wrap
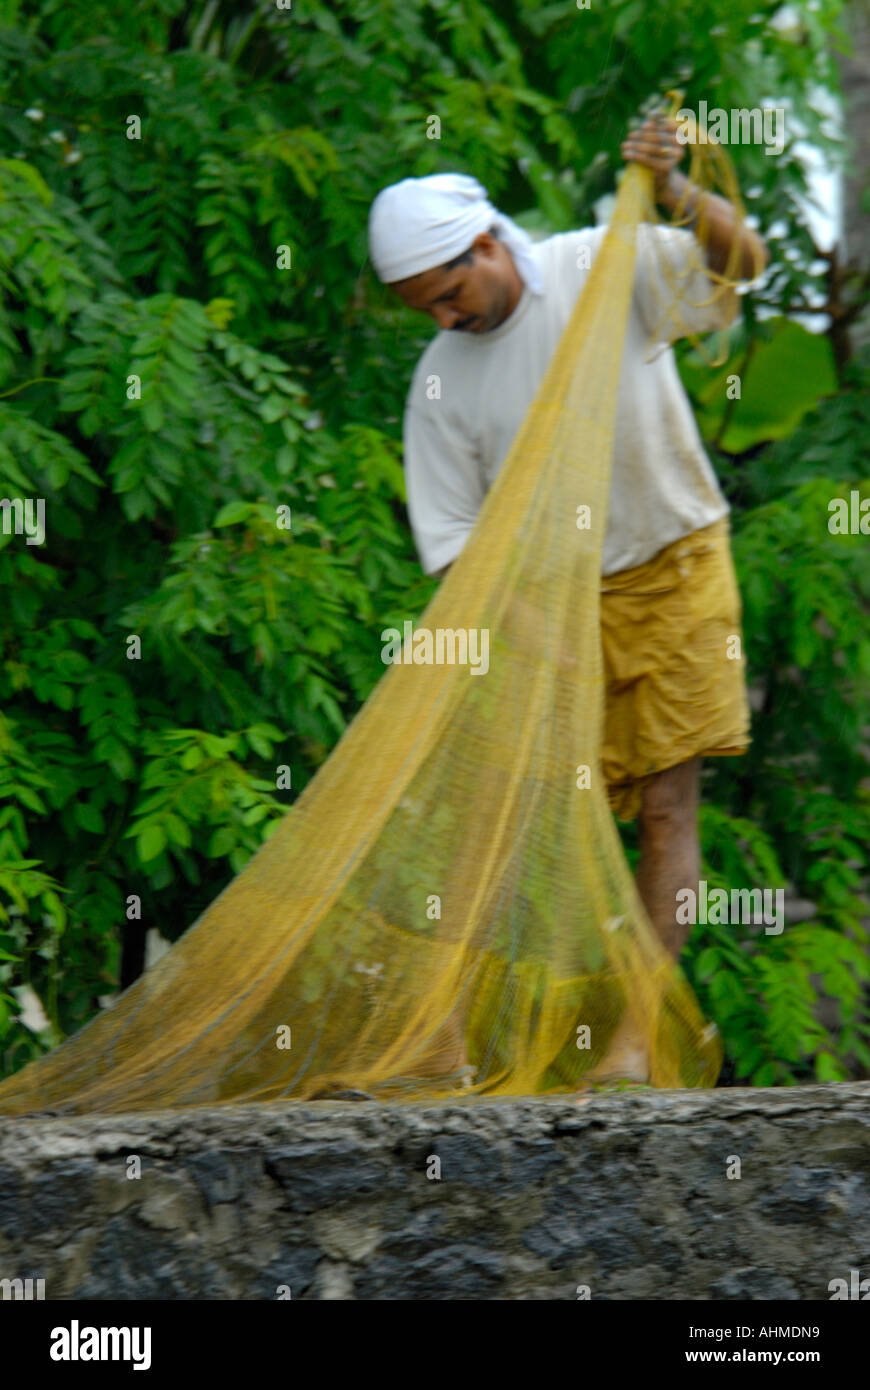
pixel 418 224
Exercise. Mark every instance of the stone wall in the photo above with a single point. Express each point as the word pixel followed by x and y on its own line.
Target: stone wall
pixel 626 1195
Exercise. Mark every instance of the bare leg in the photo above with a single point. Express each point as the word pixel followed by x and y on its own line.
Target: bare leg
pixel 670 854
pixel 670 860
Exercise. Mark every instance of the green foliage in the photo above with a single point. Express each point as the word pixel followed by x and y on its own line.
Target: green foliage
pixel 780 370
pixel 763 988
pixel 797 808
pixel 205 385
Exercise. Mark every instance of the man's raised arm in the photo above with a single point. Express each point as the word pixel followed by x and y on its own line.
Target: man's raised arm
pixel 655 145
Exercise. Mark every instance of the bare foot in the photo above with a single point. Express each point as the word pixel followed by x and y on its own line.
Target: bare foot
pixel 447 1056
pixel 627 1057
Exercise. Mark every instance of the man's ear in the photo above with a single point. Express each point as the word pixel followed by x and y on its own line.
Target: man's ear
pixel 485 244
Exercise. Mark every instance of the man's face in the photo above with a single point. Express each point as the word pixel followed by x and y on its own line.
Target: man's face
pixel 471 298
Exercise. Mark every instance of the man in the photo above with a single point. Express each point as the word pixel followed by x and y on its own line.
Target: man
pixel 670 609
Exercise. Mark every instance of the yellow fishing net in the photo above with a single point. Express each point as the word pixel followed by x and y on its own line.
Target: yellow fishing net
pixel 451 886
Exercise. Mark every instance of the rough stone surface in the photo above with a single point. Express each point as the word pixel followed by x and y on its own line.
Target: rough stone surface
pixel 626 1194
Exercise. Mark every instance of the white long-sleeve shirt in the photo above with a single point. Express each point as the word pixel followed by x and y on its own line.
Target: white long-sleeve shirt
pixel 662 486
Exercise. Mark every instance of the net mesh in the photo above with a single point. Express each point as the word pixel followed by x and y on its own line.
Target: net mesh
pixel 450 890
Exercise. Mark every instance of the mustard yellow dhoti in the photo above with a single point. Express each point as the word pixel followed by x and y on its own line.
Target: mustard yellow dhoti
pixel 674 664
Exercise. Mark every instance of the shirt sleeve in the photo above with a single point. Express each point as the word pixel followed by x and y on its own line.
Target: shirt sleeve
pixel 443 482
pixel 674 294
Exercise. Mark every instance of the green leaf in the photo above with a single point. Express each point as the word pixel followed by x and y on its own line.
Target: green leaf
pixel 89 817
pixel 233 512
pixel 152 413
pixel 151 842
pixel 827 1068
pixel 222 842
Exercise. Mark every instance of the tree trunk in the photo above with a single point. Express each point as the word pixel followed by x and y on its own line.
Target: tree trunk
pixel 855 76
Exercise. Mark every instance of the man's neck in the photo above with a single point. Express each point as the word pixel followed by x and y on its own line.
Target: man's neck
pixel 516 286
